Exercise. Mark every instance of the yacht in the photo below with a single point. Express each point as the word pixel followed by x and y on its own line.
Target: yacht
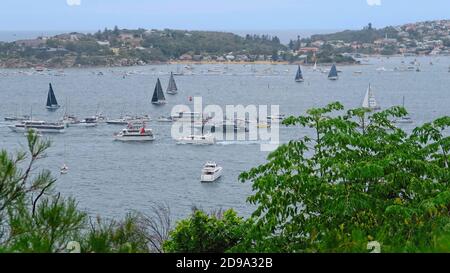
pixel 135 134
pixel 211 172
pixel 207 139
pixel 17 118
pixel 369 101
pixel 119 121
pixel 69 120
pixel 164 119
pixel 404 119
pixel 129 119
pixel 100 118
pixel 275 119
pixel 187 117
pixel 38 125
pixel 89 122
pixel 333 75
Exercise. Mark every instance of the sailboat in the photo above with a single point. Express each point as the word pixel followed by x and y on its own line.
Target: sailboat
pixel 315 66
pixel 333 75
pixel 299 75
pixel 172 88
pixel 405 119
pixel 52 103
pixel 369 101
pixel 158 95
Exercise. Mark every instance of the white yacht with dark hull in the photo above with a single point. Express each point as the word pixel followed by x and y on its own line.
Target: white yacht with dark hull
pixel 39 126
pixel 211 172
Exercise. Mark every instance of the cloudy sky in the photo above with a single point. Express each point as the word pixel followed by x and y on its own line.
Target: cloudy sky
pixel 215 14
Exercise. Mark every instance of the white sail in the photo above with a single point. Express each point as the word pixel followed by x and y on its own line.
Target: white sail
pixel 369 101
pixel 315 66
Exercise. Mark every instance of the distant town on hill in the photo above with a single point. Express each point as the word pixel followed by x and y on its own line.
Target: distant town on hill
pixel 123 47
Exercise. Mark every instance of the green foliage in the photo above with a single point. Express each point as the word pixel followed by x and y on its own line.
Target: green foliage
pixel 366 35
pixel 35 219
pixel 174 43
pixel 125 236
pixel 202 233
pixel 47 228
pixel 354 179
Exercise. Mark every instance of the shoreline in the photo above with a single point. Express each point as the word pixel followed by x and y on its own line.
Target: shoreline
pixel 190 62
pixel 57 67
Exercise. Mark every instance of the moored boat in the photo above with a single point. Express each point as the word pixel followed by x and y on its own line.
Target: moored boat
pixel 211 172
pixel 369 101
pixel 135 134
pixel 40 126
pixel 207 139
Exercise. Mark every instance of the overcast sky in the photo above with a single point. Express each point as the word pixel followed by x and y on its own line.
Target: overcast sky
pixel 80 15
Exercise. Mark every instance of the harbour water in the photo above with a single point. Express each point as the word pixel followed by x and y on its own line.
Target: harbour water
pixel 111 178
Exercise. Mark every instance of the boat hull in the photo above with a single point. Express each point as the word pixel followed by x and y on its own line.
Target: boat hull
pixel 197 141
pixel 333 78
pixel 117 122
pixel 52 108
pixel 211 177
pixel 38 129
pixel 159 102
pixel 134 138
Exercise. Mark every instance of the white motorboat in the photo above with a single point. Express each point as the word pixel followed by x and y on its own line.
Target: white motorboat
pixel 119 121
pixel 211 172
pixel 64 169
pixel 52 103
pixel 299 75
pixel 207 139
pixel 135 134
pixel 39 126
pixel 89 122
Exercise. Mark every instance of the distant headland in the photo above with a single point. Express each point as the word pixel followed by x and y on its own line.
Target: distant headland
pixel 124 47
